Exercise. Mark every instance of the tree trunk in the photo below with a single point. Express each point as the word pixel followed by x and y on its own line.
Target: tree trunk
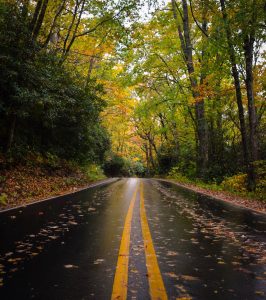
pixel 54 23
pixel 201 128
pixel 147 158
pixel 235 74
pixel 200 111
pixel 248 47
pixel 91 65
pixel 39 22
pixel 35 15
pixel 68 43
pixel 151 156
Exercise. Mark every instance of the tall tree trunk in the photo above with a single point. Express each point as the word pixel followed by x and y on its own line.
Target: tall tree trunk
pixel 35 15
pixel 235 74
pixel 39 22
pixel 201 128
pixel 151 156
pixel 147 158
pixel 91 65
pixel 54 23
pixel 70 38
pixel 248 47
pixel 162 121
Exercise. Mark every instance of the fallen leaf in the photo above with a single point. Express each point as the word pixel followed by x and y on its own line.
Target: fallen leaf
pixel 172 275
pixel 91 209
pixel 98 261
pixel 71 267
pixel 189 278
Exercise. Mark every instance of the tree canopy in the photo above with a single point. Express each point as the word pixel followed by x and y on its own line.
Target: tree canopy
pixel 140 88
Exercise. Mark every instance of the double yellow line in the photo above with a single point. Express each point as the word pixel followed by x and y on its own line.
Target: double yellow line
pixel 156 285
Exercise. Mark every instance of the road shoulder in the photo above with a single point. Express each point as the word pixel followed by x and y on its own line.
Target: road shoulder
pixel 70 191
pixel 255 205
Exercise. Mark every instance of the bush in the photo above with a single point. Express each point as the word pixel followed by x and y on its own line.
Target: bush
pixel 175 174
pixel 114 166
pixel 236 183
pixel 139 169
pixel 94 172
pixel 3 199
pixel 260 169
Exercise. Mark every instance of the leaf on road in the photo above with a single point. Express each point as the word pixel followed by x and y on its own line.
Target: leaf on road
pixel 98 261
pixel 172 275
pixel 260 293
pixel 189 278
pixel 91 209
pixel 172 253
pixel 72 223
pixel 71 266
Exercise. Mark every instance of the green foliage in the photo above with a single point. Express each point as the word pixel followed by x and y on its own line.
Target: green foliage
pixel 174 173
pixel 138 169
pixel 235 183
pixel 117 166
pixel 260 169
pixel 44 106
pixel 3 199
pixel 114 166
pixel 94 172
pixel 51 95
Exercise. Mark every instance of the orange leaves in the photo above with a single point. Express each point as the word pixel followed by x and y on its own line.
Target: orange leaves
pixel 25 184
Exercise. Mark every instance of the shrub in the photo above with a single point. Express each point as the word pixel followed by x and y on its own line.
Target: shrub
pixel 94 172
pixel 236 183
pixel 114 166
pixel 260 169
pixel 3 199
pixel 175 174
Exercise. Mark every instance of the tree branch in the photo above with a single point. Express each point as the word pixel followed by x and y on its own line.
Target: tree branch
pixel 196 21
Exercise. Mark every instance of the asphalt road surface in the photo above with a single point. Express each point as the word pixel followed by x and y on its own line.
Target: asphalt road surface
pixel 135 239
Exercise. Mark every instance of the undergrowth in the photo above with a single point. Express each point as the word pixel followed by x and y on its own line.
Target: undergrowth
pixel 235 185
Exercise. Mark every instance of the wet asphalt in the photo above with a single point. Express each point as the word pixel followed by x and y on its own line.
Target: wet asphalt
pixel 67 248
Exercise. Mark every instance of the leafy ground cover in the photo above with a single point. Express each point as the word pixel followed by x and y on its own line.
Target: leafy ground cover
pixel 232 189
pixel 41 178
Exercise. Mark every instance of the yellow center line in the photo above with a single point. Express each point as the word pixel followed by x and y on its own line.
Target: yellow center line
pixel 157 289
pixel 121 274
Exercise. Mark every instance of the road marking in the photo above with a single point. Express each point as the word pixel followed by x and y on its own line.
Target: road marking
pixel 121 274
pixel 157 289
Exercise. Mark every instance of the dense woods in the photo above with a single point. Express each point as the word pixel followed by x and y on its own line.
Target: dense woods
pixel 175 88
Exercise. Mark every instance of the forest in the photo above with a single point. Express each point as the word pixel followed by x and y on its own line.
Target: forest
pixel 132 88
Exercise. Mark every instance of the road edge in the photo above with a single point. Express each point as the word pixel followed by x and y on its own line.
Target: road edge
pixel 91 185
pixel 215 197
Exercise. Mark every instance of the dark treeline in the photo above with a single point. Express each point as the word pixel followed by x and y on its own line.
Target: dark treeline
pixel 46 105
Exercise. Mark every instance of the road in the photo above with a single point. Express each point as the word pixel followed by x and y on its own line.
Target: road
pixel 135 239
